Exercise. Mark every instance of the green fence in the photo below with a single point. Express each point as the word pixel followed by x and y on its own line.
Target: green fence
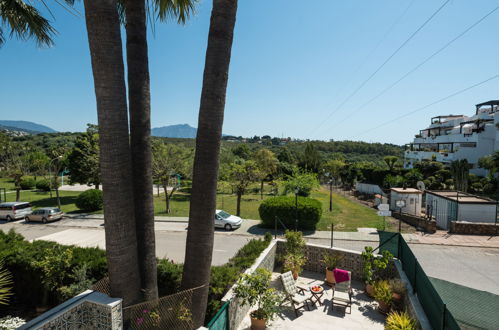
pixel 221 320
pixel 436 310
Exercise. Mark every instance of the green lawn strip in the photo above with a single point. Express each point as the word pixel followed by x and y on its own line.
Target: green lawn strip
pixel 347 215
pixel 7 183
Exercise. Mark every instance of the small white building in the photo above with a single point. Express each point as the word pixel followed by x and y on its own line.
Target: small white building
pixel 445 206
pixel 413 200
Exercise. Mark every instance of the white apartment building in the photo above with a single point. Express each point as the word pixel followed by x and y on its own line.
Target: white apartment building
pixel 456 137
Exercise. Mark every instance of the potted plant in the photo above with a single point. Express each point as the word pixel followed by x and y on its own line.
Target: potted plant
pixel 368 269
pixel 330 261
pixel 400 321
pixel 253 289
pixel 294 263
pixel 383 295
pixel 398 289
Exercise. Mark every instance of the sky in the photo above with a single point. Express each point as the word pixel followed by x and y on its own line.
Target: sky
pixel 297 70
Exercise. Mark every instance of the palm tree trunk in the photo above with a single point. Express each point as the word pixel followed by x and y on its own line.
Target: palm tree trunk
pixel 199 247
pixel 103 28
pixel 140 128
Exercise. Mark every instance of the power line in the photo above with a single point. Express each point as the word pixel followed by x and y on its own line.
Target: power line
pixel 418 66
pixel 428 105
pixel 383 64
pixel 373 50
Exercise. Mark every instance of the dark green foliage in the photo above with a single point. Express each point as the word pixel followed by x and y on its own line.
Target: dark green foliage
pixel 27 183
pixel 309 212
pixel 21 258
pixel 90 200
pixel 83 161
pixel 169 277
pixel 311 159
pixel 43 185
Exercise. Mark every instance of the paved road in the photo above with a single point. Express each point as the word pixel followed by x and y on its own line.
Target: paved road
pixel 475 267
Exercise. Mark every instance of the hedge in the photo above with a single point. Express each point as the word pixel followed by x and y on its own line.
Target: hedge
pixel 23 259
pixel 27 183
pixel 90 200
pixel 43 185
pixel 284 207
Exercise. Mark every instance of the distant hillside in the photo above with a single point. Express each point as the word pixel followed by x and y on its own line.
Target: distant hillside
pixel 175 131
pixel 24 126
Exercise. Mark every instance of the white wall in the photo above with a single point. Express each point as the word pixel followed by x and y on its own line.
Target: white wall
pixel 477 212
pixel 412 203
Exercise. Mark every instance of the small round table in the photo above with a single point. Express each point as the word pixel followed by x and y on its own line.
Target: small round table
pixel 317 295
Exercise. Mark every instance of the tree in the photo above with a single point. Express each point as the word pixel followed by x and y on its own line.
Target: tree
pixel 333 167
pixel 460 173
pixel 266 163
pixel 199 245
pixel 285 156
pixel 304 182
pixel 83 160
pixel 169 160
pixel 25 22
pixel 103 29
pixel 37 163
pixel 391 161
pixel 241 175
pixel 311 159
pixel 242 151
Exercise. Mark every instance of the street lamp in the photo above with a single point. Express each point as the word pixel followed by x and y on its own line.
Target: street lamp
pixel 296 208
pixel 50 183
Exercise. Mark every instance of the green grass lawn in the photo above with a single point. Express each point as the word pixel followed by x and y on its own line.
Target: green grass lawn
pixel 7 183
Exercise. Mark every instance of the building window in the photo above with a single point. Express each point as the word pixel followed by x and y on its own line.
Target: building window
pixel 411 201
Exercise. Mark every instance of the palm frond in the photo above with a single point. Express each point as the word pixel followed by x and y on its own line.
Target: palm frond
pixel 5 285
pixel 25 22
pixel 179 10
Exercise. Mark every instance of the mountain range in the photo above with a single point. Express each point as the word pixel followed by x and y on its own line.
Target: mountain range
pixel 24 126
pixel 175 131
pixel 21 127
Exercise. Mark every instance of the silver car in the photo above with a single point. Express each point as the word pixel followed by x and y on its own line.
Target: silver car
pixel 45 214
pixel 226 220
pixel 14 210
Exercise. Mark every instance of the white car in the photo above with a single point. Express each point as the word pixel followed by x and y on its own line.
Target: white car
pixel 226 220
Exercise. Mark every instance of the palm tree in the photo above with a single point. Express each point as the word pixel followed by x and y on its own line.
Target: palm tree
pixel 140 127
pixel 25 22
pixel 103 28
pixel 199 246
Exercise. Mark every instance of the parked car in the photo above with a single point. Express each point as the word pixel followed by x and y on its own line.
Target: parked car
pixel 14 210
pixel 226 220
pixel 45 214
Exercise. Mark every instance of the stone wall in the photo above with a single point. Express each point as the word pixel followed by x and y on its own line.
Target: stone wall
pixel 88 310
pixel 473 228
pixel 430 226
pixel 237 312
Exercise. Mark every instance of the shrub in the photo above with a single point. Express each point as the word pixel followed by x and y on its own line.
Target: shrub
pixel 400 321
pixel 169 277
pixel 90 200
pixel 43 185
pixel 27 183
pixel 382 291
pixel 30 263
pixel 309 212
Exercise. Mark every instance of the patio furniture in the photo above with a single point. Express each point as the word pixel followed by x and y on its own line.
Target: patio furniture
pixel 317 294
pixel 342 293
pixel 298 296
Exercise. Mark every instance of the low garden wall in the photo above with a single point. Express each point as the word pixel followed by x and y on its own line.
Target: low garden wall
pixel 90 309
pixel 473 228
pixel 430 226
pixel 237 312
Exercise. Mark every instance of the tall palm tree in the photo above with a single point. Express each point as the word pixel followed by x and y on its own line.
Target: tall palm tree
pixel 200 234
pixel 25 22
pixel 103 28
pixel 140 126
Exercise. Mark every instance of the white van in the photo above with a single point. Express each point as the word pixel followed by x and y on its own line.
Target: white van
pixel 14 210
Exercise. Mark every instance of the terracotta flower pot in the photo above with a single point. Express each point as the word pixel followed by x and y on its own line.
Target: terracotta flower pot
pixel 330 277
pixel 257 324
pixel 396 297
pixel 295 275
pixel 383 307
pixel 369 290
